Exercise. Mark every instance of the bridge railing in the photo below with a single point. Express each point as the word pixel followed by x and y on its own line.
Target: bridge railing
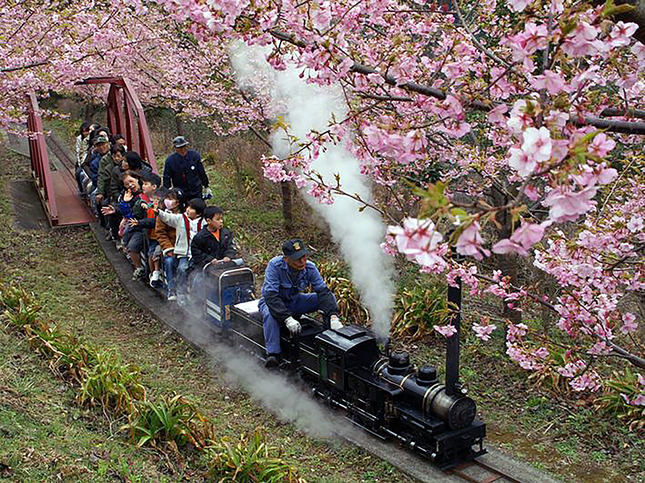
pixel 40 167
pixel 125 115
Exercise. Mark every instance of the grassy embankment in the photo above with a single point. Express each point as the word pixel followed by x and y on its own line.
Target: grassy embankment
pixel 44 435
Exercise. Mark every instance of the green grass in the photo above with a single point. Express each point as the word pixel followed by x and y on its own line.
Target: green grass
pixel 44 435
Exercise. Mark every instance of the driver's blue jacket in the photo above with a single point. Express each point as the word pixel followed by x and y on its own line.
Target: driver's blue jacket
pixel 279 289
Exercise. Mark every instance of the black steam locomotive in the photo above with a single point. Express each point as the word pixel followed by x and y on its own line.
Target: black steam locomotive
pixel 384 394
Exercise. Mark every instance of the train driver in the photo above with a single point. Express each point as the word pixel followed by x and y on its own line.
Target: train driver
pixel 283 300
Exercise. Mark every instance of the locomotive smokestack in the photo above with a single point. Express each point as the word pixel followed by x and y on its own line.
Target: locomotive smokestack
pixel 452 343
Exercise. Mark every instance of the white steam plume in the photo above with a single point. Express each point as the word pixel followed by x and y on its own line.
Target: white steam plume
pixel 308 107
pixel 288 401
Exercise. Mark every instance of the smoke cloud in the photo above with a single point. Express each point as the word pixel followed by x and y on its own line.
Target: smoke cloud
pixel 307 107
pixel 288 401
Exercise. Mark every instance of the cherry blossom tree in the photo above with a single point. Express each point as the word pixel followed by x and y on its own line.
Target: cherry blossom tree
pixel 500 129
pixel 519 106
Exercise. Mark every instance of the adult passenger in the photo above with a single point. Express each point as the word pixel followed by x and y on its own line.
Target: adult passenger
pixel 184 170
pixel 106 166
pixel 283 300
pixel 82 147
pixel 82 143
pixel 101 149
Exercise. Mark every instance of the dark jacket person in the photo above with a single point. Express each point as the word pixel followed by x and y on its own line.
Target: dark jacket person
pixel 184 170
pixel 213 242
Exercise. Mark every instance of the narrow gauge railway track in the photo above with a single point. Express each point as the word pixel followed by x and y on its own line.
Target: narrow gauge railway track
pixel 62 155
pixel 478 472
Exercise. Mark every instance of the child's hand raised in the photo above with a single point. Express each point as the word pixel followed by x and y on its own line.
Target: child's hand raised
pixel 108 210
pixel 133 222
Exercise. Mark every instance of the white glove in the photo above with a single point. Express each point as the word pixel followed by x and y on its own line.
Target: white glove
pixel 207 194
pixel 293 325
pixel 335 323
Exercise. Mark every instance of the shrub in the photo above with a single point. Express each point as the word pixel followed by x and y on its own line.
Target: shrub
pixel 22 315
pixel 548 377
pixel 173 420
pixel 112 385
pixel 349 304
pixel 418 309
pixel 248 459
pixel 618 396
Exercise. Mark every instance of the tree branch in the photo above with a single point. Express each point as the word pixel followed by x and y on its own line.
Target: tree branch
pixel 624 127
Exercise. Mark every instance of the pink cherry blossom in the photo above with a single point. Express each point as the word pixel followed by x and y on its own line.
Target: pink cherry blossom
pixel 589 381
pixel 521 162
pixel 601 145
pixel 527 235
pixel 629 324
pixel 470 242
pixel 635 224
pixel 621 33
pixel 484 331
pixel 446 330
pixel 537 144
pixel 531 193
pixel 567 205
pixel 551 81
pixel 519 5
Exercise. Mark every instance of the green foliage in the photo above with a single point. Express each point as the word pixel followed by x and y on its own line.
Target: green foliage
pixel 12 297
pixel 249 185
pixel 248 459
pixel 23 315
pixel 417 309
pixel 349 304
pixel 112 385
pixel 173 420
pixel 69 358
pixel 623 385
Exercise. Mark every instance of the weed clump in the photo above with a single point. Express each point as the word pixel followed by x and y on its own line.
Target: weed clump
pixel 249 458
pixel 349 304
pixel 112 385
pixel 174 420
pixel 418 309
pixel 620 396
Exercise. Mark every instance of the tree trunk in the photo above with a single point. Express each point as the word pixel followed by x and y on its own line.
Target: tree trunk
pixel 287 204
pixel 179 124
pixel 89 111
pixel 506 263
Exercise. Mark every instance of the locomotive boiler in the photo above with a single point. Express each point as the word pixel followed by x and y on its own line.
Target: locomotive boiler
pixel 383 393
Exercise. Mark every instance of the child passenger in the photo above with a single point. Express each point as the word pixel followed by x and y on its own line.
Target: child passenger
pixel 213 242
pixel 186 225
pixel 166 235
pixel 151 199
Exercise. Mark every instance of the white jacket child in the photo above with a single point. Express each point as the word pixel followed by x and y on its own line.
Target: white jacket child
pixel 185 228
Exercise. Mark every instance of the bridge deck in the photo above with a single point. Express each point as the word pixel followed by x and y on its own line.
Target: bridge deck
pixel 71 209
